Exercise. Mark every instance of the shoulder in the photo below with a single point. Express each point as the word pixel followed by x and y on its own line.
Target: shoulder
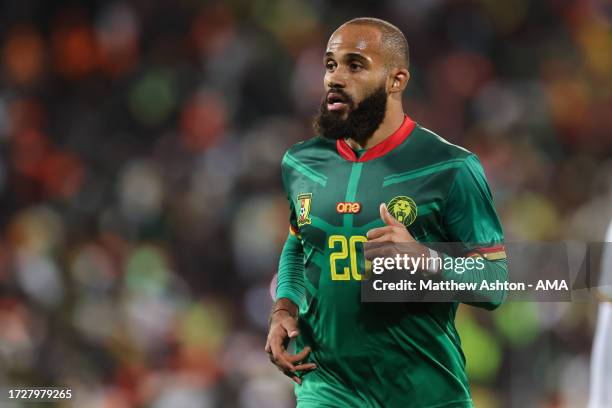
pixel 310 159
pixel 308 147
pixel 438 147
pixel 310 152
pixel 428 151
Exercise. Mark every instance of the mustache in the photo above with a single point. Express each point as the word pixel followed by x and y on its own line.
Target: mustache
pixel 347 98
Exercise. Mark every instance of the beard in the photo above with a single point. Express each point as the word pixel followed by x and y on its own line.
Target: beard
pixel 361 121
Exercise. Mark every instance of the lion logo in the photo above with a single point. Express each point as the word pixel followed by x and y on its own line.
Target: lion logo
pixel 404 209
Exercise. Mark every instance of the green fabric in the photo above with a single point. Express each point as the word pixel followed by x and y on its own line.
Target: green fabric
pixel 291 271
pixel 337 404
pixel 290 278
pixel 359 152
pixel 381 354
pixel 494 271
pixel 470 218
pixel 470 215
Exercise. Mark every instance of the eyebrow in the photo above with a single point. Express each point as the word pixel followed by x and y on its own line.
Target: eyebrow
pixel 350 55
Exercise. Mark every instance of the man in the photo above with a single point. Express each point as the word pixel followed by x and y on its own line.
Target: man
pixel 375 175
pixel 601 357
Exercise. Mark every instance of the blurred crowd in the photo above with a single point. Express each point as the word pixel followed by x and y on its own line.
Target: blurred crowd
pixel 141 206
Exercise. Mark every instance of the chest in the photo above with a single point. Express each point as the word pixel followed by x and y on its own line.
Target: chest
pixel 347 200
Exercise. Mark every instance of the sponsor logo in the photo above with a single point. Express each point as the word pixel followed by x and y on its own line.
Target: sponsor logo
pixel 348 207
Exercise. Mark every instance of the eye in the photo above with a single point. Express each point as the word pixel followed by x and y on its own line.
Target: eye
pixel 355 66
pixel 330 65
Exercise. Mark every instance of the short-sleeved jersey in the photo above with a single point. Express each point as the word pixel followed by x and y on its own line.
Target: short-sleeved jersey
pixel 382 354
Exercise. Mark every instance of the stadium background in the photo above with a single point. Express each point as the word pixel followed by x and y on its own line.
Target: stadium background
pixel 141 211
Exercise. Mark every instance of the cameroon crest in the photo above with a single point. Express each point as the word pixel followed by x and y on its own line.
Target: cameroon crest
pixel 404 209
pixel 304 200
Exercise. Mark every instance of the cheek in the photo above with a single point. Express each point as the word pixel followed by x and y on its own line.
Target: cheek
pixel 366 88
pixel 325 86
pixel 326 80
pixel 363 87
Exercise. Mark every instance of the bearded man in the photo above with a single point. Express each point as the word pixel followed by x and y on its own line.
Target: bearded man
pixel 374 175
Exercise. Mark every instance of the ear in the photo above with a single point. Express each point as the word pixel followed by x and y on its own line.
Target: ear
pixel 399 79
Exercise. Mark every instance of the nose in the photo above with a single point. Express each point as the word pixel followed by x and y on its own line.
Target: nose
pixel 335 79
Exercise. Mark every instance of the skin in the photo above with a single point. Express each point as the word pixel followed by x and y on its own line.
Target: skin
pixel 283 327
pixel 357 62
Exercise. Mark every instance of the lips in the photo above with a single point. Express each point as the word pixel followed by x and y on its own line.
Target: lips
pixel 336 101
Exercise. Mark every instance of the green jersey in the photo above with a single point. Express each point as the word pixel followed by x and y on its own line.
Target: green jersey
pixel 380 354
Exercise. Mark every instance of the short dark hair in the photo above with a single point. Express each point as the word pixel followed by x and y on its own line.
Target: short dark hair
pixel 392 38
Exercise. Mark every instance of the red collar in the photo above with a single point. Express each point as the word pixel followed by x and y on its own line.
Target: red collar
pixel 381 148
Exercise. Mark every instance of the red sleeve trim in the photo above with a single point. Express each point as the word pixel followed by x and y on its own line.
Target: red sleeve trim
pixel 487 250
pixel 492 253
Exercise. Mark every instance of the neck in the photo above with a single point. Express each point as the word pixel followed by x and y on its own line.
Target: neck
pixel 394 117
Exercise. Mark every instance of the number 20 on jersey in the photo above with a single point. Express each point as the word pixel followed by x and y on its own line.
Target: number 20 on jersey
pixel 343 248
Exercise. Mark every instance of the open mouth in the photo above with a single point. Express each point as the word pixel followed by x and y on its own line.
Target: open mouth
pixel 336 101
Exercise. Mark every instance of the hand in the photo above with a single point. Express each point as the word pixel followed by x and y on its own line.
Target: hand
pixel 283 328
pixel 394 232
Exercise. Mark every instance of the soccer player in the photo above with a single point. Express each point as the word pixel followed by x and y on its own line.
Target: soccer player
pixel 601 357
pixel 373 174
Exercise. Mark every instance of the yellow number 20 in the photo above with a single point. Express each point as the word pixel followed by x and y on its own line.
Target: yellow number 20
pixel 348 249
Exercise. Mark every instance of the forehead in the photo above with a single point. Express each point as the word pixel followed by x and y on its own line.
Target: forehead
pixel 353 38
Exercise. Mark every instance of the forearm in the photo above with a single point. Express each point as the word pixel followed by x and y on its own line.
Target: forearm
pixel 290 288
pixel 287 305
pixel 491 273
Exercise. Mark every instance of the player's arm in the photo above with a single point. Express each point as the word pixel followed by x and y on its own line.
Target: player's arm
pixel 492 272
pixel 290 284
pixel 470 218
pixel 289 295
pixel 290 279
pixel 284 314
